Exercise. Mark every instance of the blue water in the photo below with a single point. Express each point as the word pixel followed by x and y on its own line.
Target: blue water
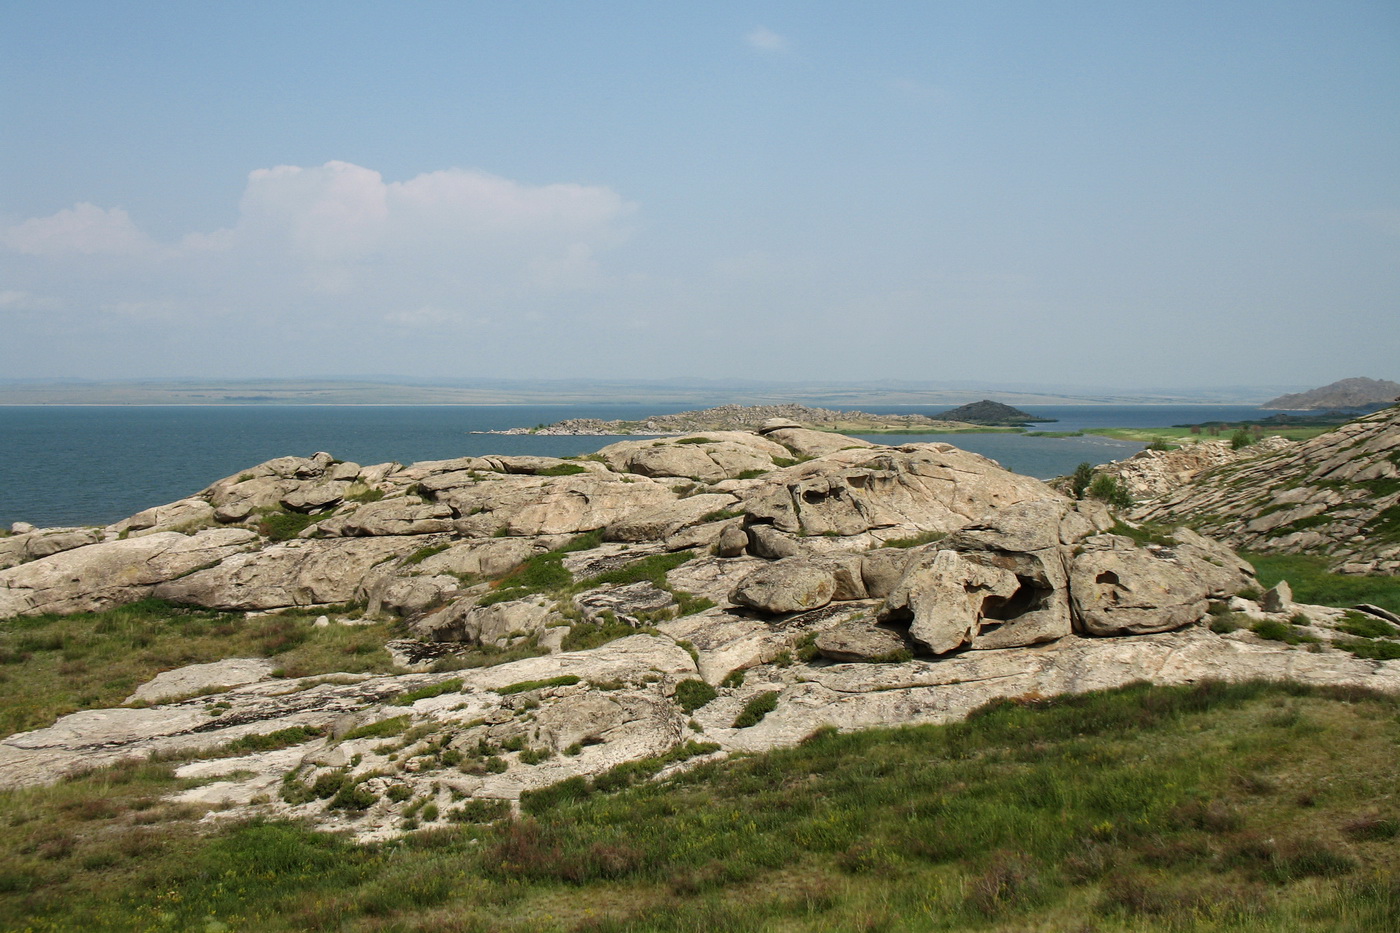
pixel 80 465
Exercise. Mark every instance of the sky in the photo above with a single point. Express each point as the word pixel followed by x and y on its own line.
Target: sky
pixel 1096 193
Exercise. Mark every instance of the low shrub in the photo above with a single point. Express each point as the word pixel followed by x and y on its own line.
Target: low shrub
pixel 693 694
pixel 756 708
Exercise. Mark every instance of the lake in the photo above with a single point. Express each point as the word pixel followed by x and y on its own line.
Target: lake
pixel 92 465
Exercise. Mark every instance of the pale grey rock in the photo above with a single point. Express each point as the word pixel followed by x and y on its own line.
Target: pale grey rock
pixel 733 540
pixel 1378 612
pixel 232 512
pixel 945 598
pixel 1120 589
pixel 859 641
pixel 32 545
pixel 724 456
pixel 881 570
pixel 897 491
pixel 194 678
pixel 658 522
pixel 291 573
pixel 713 578
pixel 633 603
pixel 495 624
pixel 21 528
pixel 565 505
pixel 402 515
pixel 406 596
pixel 1277 598
pixel 767 541
pixel 184 515
pixel 793 584
pixel 315 497
pixel 804 442
pixel 99 576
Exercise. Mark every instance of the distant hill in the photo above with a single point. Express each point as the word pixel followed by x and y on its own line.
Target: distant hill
pixel 989 412
pixel 1359 392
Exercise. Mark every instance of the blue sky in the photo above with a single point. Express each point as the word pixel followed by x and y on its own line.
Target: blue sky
pixel 1121 194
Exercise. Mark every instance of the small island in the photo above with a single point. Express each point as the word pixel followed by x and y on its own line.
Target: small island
pixel 980 416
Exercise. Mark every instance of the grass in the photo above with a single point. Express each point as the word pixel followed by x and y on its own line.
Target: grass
pixel 562 469
pixel 1313 583
pixel 1144 533
pixel 1197 808
pixel 423 553
pixel 567 680
pixel 283 526
pixel 756 708
pixel 51 665
pixel 409 697
pixel 923 537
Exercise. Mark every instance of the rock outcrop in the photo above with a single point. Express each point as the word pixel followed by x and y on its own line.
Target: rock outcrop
pixel 864 584
pixel 1357 392
pixel 1337 494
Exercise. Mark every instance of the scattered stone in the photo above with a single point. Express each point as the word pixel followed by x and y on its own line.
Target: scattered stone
pixel 1277 598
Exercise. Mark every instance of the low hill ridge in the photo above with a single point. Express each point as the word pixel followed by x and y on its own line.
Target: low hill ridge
pixel 1357 392
pixel 1337 494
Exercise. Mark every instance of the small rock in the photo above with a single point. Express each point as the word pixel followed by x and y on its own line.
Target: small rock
pixel 1277 598
pixel 733 541
pixel 859 641
pixel 322 621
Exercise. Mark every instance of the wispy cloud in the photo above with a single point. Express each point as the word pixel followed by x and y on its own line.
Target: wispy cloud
pixel 766 40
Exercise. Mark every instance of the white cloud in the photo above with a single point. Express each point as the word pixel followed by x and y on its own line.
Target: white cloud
pixel 84 229
pixel 441 239
pixel 766 40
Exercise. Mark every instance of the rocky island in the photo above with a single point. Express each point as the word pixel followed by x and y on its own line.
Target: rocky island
pixel 663 601
pixel 748 418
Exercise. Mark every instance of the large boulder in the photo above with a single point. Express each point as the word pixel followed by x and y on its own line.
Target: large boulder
pixel 99 576
pixel 946 597
pixel 709 457
pixel 1121 589
pixel 793 584
pixel 888 492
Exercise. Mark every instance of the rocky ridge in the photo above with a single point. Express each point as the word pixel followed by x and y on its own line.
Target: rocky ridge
pixel 1337 494
pixel 743 418
pixel 840 582
pixel 1358 392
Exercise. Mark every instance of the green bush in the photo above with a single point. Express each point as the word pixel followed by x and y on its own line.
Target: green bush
pixel 1108 489
pixel 409 697
pixel 693 694
pixel 380 729
pixel 1366 626
pixel 756 708
pixel 562 469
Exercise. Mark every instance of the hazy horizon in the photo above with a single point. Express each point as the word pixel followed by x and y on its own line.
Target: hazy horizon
pixel 1108 196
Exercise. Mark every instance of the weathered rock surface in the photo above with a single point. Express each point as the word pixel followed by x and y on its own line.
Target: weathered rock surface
pixel 196 678
pixel 1336 494
pixel 996 584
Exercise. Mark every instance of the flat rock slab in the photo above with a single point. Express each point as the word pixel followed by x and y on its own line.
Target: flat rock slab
pixel 196 678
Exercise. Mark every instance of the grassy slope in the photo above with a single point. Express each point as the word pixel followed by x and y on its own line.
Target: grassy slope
pixel 1312 583
pixel 1202 808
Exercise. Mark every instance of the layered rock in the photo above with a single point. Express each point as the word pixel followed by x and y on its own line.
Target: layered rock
pixel 935 579
pixel 1336 494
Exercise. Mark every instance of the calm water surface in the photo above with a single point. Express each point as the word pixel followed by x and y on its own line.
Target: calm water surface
pixel 80 465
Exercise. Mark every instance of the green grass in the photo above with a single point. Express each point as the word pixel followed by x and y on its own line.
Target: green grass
pixel 1312 583
pixel 283 526
pixel 1199 808
pixel 1144 533
pixel 566 680
pixel 423 553
pixel 562 469
pixel 409 697
pixel 51 665
pixel 693 694
pixel 651 569
pixel 756 708
pixel 381 729
pixel 923 537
